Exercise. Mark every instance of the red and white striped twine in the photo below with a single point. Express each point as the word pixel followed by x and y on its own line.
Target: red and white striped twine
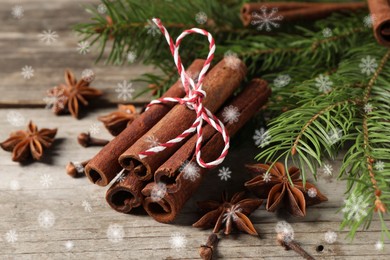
pixel 193 100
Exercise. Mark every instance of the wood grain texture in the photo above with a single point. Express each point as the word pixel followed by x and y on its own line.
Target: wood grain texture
pixel 143 238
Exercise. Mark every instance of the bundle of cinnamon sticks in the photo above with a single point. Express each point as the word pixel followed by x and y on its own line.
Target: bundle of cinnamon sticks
pixel 163 174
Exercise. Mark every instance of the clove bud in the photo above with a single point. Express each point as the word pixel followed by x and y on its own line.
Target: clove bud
pixel 76 169
pixel 86 140
pixel 288 243
pixel 206 251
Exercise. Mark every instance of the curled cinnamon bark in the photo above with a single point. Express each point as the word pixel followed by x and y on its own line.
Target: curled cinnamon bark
pixel 180 188
pixel 104 166
pixel 292 11
pixel 219 84
pixel 125 194
pixel 380 15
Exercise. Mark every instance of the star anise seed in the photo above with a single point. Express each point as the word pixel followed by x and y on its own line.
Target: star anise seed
pixel 222 215
pixel 117 121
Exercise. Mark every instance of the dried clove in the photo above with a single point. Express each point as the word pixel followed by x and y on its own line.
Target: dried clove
pixel 206 251
pixel 86 140
pixel 76 169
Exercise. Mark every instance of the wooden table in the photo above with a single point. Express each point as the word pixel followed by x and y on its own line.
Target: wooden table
pixel 80 232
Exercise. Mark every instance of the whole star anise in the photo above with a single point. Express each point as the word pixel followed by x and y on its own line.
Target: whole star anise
pixel 222 215
pixel 29 143
pixel 117 121
pixel 274 184
pixel 70 95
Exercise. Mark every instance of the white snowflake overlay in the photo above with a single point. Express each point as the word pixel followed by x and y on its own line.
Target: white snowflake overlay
pixel 266 19
pixel 267 177
pixel 46 219
pixel 355 207
pixel 94 129
pixel 201 18
pixel 282 80
pixel 125 90
pixel 177 241
pixel 102 8
pixel 55 100
pixel 16 119
pixel 232 60
pixel 11 236
pixel 48 37
pixel 17 11
pixel 190 170
pixel 158 191
pixel 46 180
pixel 261 137
pixel 131 57
pixel 327 169
pixel 368 65
pixel 379 245
pixel 369 20
pixel 312 192
pixel 224 173
pixel 86 205
pixel 368 108
pixel 334 136
pixel 115 233
pixel 79 167
pixel 379 165
pixel 14 185
pixel 323 83
pixel 83 47
pixel 121 176
pixel 27 72
pixel 285 230
pixel 327 32
pixel 69 245
pixel 231 213
pixel 88 75
pixel 230 114
pixel 330 237
pixel 152 141
pixel 152 28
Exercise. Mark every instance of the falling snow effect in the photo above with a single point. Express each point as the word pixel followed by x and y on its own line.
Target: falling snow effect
pixel 87 206
pixel 282 80
pixel 330 237
pixel 131 57
pixel 83 47
pixel 102 9
pixel 368 65
pixel 115 233
pixel 230 114
pixel 312 192
pixel 152 28
pixel 369 20
pixel 158 191
pixel 88 75
pixel 201 18
pixel 232 60
pixel 27 72
pixel 94 129
pixel 231 214
pixel 55 100
pixel 327 32
pixel 323 83
pixel 285 230
pixel 327 169
pixel 379 165
pixel 46 219
pixel 14 185
pixel 261 137
pixel 334 136
pixel 152 141
pixel 11 236
pixel 17 12
pixel 224 173
pixel 121 176
pixel 355 207
pixel 368 108
pixel 190 170
pixel 266 20
pixel 266 177
pixel 177 241
pixel 48 37
pixel 79 167
pixel 379 245
pixel 69 245
pixel 125 90
pixel 46 180
pixel 16 119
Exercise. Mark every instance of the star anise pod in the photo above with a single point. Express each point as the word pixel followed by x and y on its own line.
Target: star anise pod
pixel 222 215
pixel 274 184
pixel 29 143
pixel 117 121
pixel 72 94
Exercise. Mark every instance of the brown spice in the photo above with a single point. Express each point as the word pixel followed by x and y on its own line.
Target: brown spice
pixel 380 16
pixel 76 169
pixel 86 140
pixel 206 251
pixel 117 121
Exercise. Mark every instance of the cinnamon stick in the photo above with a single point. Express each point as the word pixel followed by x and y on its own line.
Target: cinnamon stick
pixel 104 166
pixel 380 15
pixel 179 188
pixel 125 194
pixel 219 84
pixel 292 11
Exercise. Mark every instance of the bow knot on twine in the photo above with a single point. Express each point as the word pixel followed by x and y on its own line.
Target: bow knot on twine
pixel 193 100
